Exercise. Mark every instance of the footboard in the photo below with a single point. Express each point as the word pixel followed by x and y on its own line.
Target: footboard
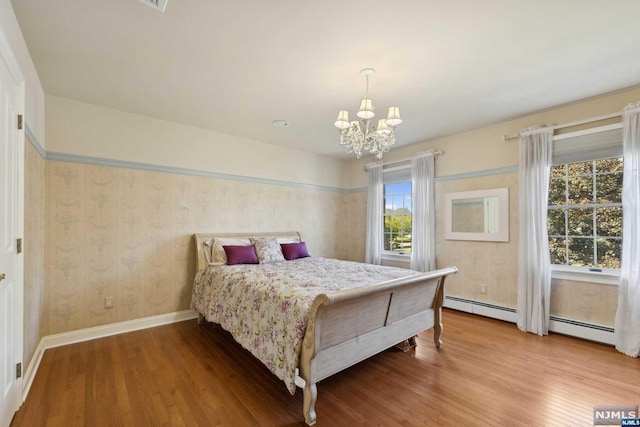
pixel 349 326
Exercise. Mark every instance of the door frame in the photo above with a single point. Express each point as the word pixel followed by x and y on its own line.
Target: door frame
pixel 9 59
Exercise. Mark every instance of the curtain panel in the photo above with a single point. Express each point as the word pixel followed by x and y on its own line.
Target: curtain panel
pixel 534 272
pixel 627 320
pixel 375 202
pixel 423 223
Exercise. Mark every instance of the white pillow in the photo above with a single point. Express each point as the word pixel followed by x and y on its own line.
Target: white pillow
pixel 219 256
pixel 282 240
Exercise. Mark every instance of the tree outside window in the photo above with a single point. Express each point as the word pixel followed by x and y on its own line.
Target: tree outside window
pixel 585 213
pixel 397 217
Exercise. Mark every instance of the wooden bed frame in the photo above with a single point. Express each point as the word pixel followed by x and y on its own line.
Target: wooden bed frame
pixel 349 326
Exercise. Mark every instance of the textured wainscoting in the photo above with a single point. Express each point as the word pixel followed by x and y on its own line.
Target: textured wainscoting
pixel 127 234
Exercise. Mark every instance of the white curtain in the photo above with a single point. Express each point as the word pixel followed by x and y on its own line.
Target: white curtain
pixel 375 208
pixel 627 322
pixel 534 273
pixel 423 223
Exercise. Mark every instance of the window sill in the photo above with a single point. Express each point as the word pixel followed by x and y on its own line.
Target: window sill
pixel 389 256
pixel 608 277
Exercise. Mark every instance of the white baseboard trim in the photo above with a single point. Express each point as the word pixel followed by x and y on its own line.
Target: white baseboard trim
pixel 57 340
pixel 597 333
pixel 30 373
pixel 476 307
pixel 578 329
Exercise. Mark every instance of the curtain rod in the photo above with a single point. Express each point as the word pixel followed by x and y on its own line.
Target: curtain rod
pixel 435 153
pixel 570 124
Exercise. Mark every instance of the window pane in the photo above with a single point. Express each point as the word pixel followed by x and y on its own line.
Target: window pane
pixel 581 252
pixel 558 251
pixel 558 171
pixel 398 203
pixel 407 202
pixel 387 224
pixel 609 188
pixel 397 217
pixel 609 221
pixel 609 251
pixel 580 222
pixel 391 189
pixel 582 168
pixel 585 224
pixel 407 224
pixel 610 165
pixel 580 190
pixel 387 241
pixel 555 222
pixel 557 194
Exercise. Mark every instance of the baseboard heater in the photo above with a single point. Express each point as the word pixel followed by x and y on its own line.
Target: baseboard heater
pixel 561 325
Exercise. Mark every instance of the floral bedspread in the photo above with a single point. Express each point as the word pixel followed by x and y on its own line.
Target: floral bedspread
pixel 265 306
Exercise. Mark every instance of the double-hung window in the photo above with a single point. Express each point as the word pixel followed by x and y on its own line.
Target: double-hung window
pixel 584 216
pixel 397 214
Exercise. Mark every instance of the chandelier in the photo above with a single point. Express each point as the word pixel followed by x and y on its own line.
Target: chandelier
pixel 356 135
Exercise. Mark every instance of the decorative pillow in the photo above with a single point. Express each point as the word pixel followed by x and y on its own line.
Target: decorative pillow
pixel 293 251
pixel 268 250
pixel 218 254
pixel 240 255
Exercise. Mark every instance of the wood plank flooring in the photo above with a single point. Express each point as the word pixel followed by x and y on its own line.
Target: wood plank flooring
pixel 486 374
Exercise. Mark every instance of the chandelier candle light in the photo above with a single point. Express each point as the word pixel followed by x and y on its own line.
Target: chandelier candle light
pixel 356 135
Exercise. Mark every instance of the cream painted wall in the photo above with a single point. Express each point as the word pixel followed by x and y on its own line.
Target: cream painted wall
pixel 127 234
pixel 484 149
pixel 87 130
pixel 495 264
pixel 34 97
pixel 34 249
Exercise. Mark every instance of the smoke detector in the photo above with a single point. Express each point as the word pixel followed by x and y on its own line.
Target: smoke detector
pixel 156 4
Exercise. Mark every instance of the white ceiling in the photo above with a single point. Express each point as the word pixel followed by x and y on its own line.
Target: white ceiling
pixel 234 66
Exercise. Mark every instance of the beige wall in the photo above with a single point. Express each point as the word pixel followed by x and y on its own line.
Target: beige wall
pixel 127 234
pixel 82 129
pixel 34 249
pixel 484 149
pixel 495 264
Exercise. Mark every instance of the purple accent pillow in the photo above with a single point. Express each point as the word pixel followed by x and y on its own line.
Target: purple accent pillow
pixel 294 250
pixel 241 255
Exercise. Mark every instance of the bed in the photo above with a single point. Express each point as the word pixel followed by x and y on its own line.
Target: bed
pixel 303 323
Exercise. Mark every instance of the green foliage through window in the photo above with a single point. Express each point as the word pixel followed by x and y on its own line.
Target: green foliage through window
pixel 397 217
pixel 585 213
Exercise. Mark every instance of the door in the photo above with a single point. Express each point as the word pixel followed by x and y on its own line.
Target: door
pixel 11 283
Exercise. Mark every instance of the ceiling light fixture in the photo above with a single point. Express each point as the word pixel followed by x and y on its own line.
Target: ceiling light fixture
pixel 356 135
pixel 280 123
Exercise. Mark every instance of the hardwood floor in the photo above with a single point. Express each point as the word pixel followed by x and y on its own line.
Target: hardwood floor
pixel 486 373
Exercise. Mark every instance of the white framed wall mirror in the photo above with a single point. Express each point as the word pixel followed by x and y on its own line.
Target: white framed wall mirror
pixel 477 215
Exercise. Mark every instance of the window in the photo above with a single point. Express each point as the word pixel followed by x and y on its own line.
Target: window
pixel 397 217
pixel 585 214
pixel 585 210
